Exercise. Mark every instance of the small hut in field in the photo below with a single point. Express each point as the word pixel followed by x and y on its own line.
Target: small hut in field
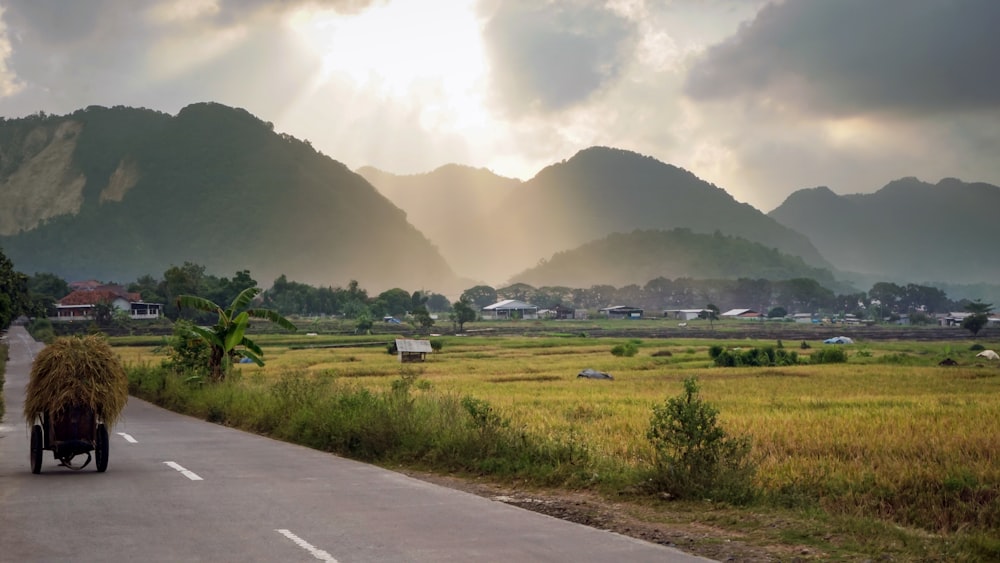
pixel 76 372
pixel 410 350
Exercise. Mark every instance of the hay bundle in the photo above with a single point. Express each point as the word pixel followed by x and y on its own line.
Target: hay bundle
pixel 75 371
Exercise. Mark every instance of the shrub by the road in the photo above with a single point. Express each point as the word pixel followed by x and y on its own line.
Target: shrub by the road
pixel 695 457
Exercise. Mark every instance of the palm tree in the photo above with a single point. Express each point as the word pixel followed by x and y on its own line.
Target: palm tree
pixel 226 337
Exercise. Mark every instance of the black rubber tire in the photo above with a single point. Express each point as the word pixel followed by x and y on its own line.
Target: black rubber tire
pixel 36 449
pixel 101 448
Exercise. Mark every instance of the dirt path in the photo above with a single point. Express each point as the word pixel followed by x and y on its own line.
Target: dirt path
pixel 628 519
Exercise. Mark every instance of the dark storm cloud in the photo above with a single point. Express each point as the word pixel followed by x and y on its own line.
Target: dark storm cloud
pixel 547 56
pixel 848 57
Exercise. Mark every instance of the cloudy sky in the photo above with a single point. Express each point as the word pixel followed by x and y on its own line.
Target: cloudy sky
pixel 761 98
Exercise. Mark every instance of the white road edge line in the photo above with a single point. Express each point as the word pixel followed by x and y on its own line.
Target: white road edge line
pixel 315 552
pixel 128 438
pixel 189 474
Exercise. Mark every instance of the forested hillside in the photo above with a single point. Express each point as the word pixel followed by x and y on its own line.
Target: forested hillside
pixel 117 193
pixel 642 255
pixel 907 231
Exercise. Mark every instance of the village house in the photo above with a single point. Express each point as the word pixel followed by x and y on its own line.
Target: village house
pixel 748 314
pixel 622 312
pixel 509 309
pixel 684 314
pixel 82 304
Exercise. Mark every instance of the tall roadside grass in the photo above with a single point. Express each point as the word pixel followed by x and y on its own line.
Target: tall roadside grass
pixel 408 423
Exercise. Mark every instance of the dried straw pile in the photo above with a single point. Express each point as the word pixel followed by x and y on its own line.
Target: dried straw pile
pixel 77 371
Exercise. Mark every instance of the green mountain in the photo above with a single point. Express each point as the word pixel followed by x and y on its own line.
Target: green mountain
pixel 637 257
pixel 449 206
pixel 908 231
pixel 117 193
pixel 597 192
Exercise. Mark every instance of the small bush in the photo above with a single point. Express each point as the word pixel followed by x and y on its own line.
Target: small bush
pixel 188 353
pixel 977 347
pixel 805 345
pixel 628 349
pixel 828 356
pixel 437 344
pixel 756 357
pixel 715 351
pixel 662 353
pixel 42 330
pixel 695 458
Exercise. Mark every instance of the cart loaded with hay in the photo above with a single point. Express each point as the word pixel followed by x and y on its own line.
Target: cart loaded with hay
pixel 77 390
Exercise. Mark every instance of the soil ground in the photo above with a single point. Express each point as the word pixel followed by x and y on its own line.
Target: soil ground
pixel 627 519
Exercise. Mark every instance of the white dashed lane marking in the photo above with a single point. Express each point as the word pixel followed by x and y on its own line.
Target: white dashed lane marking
pixel 189 474
pixel 128 438
pixel 314 551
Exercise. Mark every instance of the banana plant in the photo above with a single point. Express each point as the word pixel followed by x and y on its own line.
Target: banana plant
pixel 227 337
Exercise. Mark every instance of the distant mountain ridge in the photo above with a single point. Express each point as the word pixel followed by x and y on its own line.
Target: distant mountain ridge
pixel 909 230
pixel 449 205
pixel 117 193
pixel 620 259
pixel 597 192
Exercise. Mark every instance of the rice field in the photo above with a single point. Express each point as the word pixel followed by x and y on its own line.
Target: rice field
pixel 889 434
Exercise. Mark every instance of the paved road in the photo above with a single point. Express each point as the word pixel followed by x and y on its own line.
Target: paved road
pixel 179 489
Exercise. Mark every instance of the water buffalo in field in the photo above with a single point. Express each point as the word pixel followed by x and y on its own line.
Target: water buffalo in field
pixel 594 374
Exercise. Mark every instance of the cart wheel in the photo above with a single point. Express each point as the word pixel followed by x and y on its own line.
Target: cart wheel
pixel 101 448
pixel 36 449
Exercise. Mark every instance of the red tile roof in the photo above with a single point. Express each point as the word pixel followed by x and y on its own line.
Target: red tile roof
pixel 92 297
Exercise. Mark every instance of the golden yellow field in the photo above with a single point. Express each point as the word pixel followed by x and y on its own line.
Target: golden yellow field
pixel 881 419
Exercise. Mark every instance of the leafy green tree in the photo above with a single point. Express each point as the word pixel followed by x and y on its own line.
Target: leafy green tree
pixel 182 280
pixel 395 302
pixel 437 302
pixel 979 315
pixel 224 290
pixel 480 295
pixel 364 324
pixel 14 299
pixel 709 313
pixel 777 313
pixel 422 317
pixel 519 291
pixel 462 312
pixel 227 338
pixel 104 311
pixel 48 285
pixel 148 289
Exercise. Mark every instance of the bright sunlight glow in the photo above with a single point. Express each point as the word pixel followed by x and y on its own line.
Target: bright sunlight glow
pixel 399 48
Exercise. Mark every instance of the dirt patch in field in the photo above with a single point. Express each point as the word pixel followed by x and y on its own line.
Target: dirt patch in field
pixel 628 519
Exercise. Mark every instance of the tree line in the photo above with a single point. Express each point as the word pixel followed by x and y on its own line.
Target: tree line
pixel 36 295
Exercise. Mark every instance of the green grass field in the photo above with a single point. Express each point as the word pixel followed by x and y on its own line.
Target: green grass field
pixel 888 441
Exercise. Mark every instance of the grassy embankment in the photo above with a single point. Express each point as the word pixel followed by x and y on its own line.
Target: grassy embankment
pixel 886 454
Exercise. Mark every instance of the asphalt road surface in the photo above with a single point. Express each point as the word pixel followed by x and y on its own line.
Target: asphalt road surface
pixel 180 489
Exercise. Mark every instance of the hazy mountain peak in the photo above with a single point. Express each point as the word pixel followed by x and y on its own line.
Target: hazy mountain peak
pixel 905 231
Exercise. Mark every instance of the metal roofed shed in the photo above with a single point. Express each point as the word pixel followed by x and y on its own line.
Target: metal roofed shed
pixel 510 309
pixel 410 350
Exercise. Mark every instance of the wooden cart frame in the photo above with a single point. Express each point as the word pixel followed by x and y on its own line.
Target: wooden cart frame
pixel 73 431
